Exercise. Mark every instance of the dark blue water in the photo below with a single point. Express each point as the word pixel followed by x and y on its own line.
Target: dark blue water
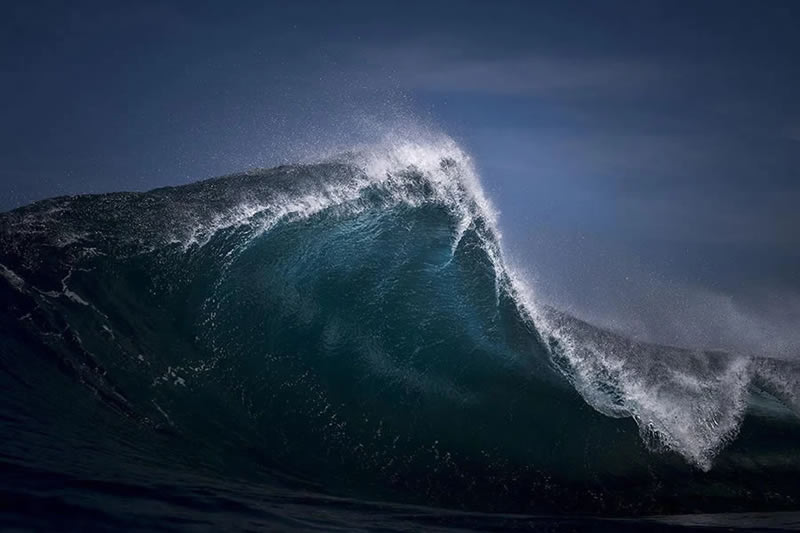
pixel 342 346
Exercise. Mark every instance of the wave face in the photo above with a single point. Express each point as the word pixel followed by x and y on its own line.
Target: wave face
pixel 351 328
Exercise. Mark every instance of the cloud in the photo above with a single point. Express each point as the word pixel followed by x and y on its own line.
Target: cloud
pixel 448 67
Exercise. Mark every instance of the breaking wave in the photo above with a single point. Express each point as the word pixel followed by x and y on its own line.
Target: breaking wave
pixel 352 327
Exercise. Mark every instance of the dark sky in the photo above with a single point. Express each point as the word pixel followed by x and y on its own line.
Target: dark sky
pixel 644 155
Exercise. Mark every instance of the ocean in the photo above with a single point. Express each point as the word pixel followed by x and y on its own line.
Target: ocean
pixel 343 346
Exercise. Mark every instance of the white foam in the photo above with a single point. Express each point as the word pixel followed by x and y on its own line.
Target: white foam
pixel 72 295
pixel 13 279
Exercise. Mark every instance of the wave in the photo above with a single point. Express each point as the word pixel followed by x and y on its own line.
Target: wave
pixel 353 327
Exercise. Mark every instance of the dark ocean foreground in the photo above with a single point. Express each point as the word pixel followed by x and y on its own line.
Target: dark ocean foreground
pixel 342 346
